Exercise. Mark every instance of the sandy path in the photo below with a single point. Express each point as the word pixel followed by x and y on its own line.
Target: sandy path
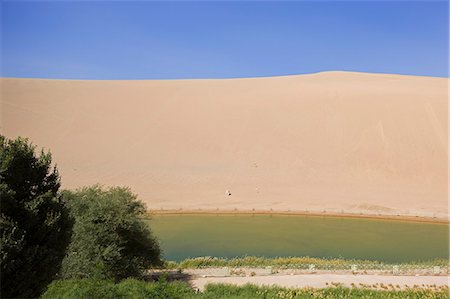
pixel 321 280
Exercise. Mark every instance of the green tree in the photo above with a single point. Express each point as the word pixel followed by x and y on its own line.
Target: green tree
pixel 35 226
pixel 110 239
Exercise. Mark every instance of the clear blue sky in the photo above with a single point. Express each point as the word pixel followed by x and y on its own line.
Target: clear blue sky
pixel 167 40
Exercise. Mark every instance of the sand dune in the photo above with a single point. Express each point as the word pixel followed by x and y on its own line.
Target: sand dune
pixel 335 141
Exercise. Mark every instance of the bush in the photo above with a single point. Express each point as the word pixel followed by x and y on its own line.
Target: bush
pixel 85 288
pixel 109 239
pixel 34 223
pixel 130 288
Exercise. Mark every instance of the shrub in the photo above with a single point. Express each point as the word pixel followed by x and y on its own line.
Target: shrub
pixel 130 288
pixel 109 239
pixel 34 223
pixel 84 288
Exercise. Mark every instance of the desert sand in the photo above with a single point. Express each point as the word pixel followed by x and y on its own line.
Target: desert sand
pixel 341 142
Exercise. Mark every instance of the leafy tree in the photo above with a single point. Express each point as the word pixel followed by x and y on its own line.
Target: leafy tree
pixel 35 226
pixel 110 240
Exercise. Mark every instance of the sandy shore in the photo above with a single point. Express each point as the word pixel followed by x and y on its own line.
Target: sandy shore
pixel 325 280
pixel 302 213
pixel 343 142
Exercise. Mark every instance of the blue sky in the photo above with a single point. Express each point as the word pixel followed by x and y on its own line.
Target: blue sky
pixel 173 40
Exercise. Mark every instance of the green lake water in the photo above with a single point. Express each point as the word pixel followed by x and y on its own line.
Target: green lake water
pixel 186 236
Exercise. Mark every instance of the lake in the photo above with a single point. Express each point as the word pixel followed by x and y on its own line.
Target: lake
pixel 186 236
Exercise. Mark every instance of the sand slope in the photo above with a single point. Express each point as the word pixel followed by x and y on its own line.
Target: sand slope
pixel 336 140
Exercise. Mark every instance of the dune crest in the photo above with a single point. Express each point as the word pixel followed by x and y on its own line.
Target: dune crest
pixel 335 141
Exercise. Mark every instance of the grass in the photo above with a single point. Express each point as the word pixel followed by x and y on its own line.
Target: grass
pixel 131 288
pixel 216 291
pixel 301 263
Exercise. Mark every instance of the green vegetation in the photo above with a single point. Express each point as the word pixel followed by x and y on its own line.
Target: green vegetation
pixel 84 289
pixel 34 222
pixel 249 291
pixel 110 240
pixel 129 288
pixel 298 263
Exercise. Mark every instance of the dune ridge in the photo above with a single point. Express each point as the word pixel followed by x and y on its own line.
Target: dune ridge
pixel 342 142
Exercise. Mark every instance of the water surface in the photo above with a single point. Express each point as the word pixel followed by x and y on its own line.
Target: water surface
pixel 186 236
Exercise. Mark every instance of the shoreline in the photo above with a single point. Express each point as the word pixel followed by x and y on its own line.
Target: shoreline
pixel 404 218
